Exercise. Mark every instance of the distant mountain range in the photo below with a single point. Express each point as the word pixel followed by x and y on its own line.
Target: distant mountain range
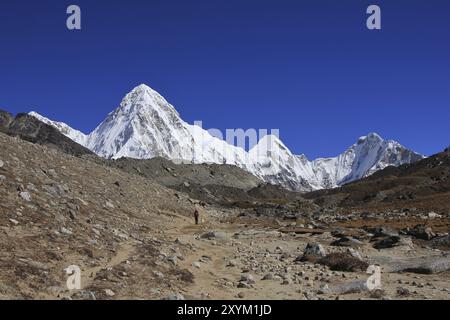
pixel 146 126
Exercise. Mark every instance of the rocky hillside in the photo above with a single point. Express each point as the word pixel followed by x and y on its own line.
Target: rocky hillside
pixel 170 174
pixel 57 210
pixel 424 184
pixel 31 129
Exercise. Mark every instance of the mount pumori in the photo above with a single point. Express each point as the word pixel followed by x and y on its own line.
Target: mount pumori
pixel 145 126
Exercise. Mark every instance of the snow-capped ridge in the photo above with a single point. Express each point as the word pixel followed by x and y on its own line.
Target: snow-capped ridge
pixel 76 135
pixel 145 126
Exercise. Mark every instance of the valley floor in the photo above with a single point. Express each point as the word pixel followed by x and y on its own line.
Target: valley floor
pixel 134 239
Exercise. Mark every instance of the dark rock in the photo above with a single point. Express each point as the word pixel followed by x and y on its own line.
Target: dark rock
pixel 390 242
pixel 312 252
pixel 443 241
pixel 422 232
pixel 343 262
pixel 383 231
pixel 346 242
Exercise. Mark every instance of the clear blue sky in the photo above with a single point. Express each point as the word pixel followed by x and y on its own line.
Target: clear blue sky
pixel 309 68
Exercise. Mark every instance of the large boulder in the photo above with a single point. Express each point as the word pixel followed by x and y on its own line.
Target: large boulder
pixel 421 265
pixel 383 231
pixel 343 262
pixel 214 235
pixel 391 242
pixel 443 241
pixel 421 232
pixel 312 252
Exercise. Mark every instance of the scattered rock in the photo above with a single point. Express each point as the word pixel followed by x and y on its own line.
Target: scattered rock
pixel 354 253
pixel 173 260
pixel 403 292
pixel 434 215
pixel 72 214
pixel 231 263
pixel 214 235
pixel 443 241
pixel 324 289
pixel 268 276
pixel 25 196
pixel 383 231
pixel 343 262
pixel 312 252
pixel 175 296
pixel 393 241
pixel 158 274
pixel 109 205
pixel 422 232
pixel 346 242
pixel 244 285
pixel 247 278
pixel 14 222
pixel 109 293
pixel 66 231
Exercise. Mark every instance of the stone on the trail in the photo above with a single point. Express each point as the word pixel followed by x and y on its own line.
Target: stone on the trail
pixel 268 276
pixel 66 231
pixel 214 235
pixel 247 278
pixel 346 242
pixel 2 178
pixel 312 252
pixel 241 295
pixel 403 292
pixel 109 205
pixel 197 264
pixel 324 289
pixel 1 164
pixel 72 214
pixel 175 297
pixel 52 173
pixel 351 287
pixel 231 263
pixel 109 293
pixel 14 222
pixel 244 285
pixel 158 274
pixel 443 241
pixel 383 231
pixel 25 196
pixel 394 241
pixel 173 259
pixel 179 241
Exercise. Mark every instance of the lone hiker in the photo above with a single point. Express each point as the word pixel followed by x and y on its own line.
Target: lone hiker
pixel 197 212
pixel 196 216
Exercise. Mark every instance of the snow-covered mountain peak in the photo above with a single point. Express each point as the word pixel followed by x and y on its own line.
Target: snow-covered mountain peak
pixel 145 126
